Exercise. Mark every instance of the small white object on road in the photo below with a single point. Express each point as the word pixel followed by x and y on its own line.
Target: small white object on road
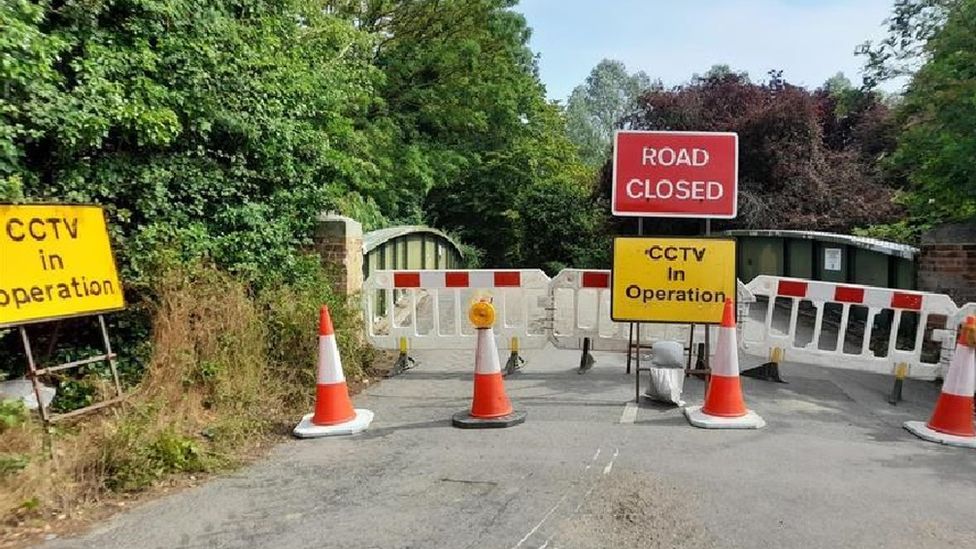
pixel 667 376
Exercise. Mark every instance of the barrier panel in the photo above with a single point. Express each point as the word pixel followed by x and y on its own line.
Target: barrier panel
pixel 430 308
pixel 848 326
pixel 828 324
pixel 948 336
pixel 581 310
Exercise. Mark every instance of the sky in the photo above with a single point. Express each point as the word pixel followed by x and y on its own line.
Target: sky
pixel 810 40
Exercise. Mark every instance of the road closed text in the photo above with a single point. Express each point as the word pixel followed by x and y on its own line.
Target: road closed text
pixel 55 261
pixel 675 174
pixel 679 190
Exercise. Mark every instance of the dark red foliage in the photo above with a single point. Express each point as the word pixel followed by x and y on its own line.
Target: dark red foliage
pixel 802 164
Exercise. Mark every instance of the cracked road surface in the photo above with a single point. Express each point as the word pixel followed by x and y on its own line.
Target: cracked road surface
pixel 833 468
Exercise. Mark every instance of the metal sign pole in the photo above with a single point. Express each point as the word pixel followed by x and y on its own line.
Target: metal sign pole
pixel 32 373
pixel 35 372
pixel 708 343
pixel 630 336
pixel 637 370
pixel 110 356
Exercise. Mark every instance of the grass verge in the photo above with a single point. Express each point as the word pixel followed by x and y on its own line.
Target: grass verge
pixel 229 369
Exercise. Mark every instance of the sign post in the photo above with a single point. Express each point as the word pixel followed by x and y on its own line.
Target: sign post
pixel 56 262
pixel 673 174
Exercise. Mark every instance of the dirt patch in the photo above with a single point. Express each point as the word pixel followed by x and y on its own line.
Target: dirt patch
pixel 635 510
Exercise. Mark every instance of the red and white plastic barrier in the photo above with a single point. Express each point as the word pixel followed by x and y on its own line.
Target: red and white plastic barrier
pixel 824 341
pixel 581 310
pixel 429 308
pixel 581 303
pixel 829 324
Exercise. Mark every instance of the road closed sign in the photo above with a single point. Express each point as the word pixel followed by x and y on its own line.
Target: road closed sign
pixel 670 279
pixel 55 262
pixel 675 174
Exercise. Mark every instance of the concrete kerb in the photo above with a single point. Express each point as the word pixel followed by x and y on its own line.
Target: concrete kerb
pixel 307 429
pixel 696 417
pixel 922 431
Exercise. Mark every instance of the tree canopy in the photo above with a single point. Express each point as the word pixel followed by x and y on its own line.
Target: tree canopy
pixel 222 128
pixel 597 107
pixel 806 159
pixel 938 143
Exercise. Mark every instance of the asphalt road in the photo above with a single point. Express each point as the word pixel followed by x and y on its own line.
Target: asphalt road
pixel 833 468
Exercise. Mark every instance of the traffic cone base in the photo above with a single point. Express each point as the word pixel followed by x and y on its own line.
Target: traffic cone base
pixel 464 420
pixel 924 432
pixel 698 418
pixel 359 422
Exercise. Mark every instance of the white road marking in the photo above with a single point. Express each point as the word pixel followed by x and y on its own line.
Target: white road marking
pixel 556 506
pixel 606 470
pixel 583 499
pixel 541 522
pixel 629 414
pixel 596 455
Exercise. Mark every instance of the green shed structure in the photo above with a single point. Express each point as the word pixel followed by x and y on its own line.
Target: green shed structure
pixel 409 247
pixel 824 256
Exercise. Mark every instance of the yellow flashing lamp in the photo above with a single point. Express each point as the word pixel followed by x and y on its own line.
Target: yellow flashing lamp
pixel 482 314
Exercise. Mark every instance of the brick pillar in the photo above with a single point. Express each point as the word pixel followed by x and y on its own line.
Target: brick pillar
pixel 947 264
pixel 339 242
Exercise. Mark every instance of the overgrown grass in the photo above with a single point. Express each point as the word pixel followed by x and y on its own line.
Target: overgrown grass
pixel 229 368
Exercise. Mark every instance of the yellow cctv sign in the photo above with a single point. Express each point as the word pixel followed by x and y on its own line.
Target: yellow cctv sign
pixel 55 262
pixel 670 279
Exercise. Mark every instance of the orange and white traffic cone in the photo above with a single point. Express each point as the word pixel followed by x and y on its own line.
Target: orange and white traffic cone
pixel 724 407
pixel 952 419
pixel 334 414
pixel 490 406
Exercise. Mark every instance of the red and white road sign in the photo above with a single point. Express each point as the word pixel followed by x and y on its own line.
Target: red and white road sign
pixel 675 174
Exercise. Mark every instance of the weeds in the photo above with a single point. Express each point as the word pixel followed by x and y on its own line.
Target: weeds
pixel 229 366
pixel 12 414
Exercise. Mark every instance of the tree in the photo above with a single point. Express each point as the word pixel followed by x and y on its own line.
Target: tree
pixel 858 120
pixel 220 128
pixel 720 72
pixel 903 51
pixel 596 107
pixel 788 176
pixel 528 205
pixel 938 116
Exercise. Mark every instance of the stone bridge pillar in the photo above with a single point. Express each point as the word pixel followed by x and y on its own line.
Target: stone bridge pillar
pixel 339 242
